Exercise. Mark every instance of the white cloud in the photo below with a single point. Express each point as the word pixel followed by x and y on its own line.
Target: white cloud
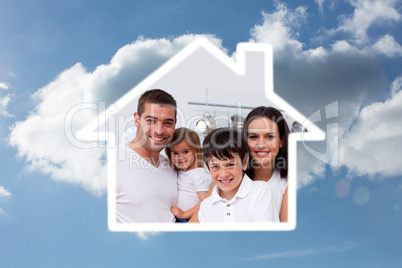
pixel 388 46
pixel 4 192
pixel 314 189
pixel 309 168
pixel 5 99
pixel 311 78
pixel 320 4
pixel 3 105
pixel 278 28
pixel 330 3
pixel 366 14
pixel 147 235
pixel 343 46
pixel 4 85
pixel 373 145
pixel 41 138
pixel 305 252
pixel 396 86
pixel 319 75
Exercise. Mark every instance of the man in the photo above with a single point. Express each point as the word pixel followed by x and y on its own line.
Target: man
pixel 146 186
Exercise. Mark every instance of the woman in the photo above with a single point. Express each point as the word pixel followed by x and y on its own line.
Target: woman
pixel 266 134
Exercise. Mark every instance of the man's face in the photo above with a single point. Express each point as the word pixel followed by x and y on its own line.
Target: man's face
pixel 155 126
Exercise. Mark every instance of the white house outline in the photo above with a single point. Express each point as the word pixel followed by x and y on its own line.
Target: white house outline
pixel 94 132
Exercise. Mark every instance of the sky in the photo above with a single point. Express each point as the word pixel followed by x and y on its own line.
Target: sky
pixel 341 58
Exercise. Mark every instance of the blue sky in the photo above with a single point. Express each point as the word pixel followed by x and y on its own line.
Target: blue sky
pixel 53 211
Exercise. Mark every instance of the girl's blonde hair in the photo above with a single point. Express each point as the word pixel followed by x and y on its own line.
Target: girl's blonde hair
pixel 192 139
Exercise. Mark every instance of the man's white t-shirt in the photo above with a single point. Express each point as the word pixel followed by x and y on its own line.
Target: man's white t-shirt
pixel 144 193
pixel 188 184
pixel 252 203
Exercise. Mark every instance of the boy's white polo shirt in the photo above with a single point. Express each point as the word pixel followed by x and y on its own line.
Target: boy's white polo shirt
pixel 251 203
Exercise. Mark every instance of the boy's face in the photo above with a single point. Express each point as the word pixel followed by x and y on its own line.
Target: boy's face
pixel 227 174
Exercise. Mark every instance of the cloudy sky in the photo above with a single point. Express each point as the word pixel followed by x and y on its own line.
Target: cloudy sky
pixel 341 58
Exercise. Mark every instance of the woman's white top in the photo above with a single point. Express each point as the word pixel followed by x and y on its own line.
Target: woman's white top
pixel 278 187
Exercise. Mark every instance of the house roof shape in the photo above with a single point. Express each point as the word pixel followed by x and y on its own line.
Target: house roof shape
pixel 99 130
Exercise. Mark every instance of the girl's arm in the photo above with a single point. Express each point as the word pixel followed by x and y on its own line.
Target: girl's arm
pixel 194 217
pixel 189 213
pixel 283 216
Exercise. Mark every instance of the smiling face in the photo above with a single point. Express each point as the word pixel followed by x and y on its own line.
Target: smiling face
pixel 227 174
pixel 183 156
pixel 155 127
pixel 263 141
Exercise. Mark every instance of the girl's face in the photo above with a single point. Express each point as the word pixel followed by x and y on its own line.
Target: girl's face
pixel 183 156
pixel 264 142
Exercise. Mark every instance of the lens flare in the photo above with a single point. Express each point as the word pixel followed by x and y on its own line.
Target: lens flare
pixel 361 195
pixel 342 188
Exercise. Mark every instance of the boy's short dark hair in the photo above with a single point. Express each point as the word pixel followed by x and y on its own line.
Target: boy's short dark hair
pixel 156 96
pixel 223 143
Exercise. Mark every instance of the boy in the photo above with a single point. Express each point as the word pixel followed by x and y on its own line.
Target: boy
pixel 235 198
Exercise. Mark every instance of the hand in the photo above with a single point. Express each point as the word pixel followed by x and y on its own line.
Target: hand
pixel 177 212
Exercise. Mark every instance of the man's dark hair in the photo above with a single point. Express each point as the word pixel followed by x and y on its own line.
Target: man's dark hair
pixel 156 96
pixel 223 143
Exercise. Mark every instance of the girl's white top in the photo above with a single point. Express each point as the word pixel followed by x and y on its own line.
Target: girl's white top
pixel 188 184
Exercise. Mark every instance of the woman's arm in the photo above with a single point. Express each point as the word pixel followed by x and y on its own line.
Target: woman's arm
pixel 283 216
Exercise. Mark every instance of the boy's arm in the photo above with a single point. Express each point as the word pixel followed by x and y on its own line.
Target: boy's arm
pixel 200 213
pixel 283 216
pixel 194 218
pixel 203 194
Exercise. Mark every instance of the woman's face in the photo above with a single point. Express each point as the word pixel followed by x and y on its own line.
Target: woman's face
pixel 264 142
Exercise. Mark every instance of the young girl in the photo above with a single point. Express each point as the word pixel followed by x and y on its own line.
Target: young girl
pixel 193 182
pixel 266 134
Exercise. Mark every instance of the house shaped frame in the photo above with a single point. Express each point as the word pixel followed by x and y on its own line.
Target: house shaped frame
pixel 245 80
